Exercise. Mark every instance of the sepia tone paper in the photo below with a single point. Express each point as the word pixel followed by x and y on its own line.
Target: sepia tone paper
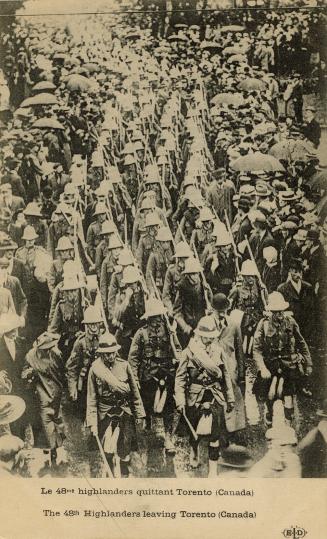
pixel 230 506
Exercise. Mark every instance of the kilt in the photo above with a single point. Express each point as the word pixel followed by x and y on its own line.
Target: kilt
pixel 127 432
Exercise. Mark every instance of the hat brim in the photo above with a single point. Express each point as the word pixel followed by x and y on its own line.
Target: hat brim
pixel 210 334
pixel 109 349
pixel 222 462
pixel 278 308
pixel 18 407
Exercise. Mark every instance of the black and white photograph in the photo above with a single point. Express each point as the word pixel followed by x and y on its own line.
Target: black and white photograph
pixel 163 239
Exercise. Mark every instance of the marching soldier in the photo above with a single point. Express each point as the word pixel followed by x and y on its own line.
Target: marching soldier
pixel 114 404
pixel 191 301
pixel 281 355
pixel 34 217
pixel 82 357
pixel 147 243
pixel 125 259
pixel 203 236
pixel 129 308
pixel 153 363
pixel 204 392
pixel 174 274
pixel 114 247
pixel 160 259
pixel 68 314
pixel 65 251
pixel 246 297
pixel 108 229
pixel 93 236
pixel 219 268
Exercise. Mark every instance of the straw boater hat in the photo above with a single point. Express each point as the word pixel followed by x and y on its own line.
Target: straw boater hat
pixel 11 408
pixel 276 302
pixel 47 340
pixel 236 456
pixel 207 327
pixel 107 344
pixel 154 307
pixel 29 233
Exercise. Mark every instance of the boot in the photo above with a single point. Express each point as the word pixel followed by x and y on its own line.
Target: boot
pixel 194 457
pixel 213 468
pixel 169 444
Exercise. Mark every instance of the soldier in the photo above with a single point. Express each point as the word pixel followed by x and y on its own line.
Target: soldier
pixel 260 237
pixel 160 259
pixel 16 267
pixel 34 217
pixel 203 236
pixel 82 357
pixel 147 243
pixel 191 301
pixel 65 251
pixel 246 296
pixel 61 222
pixel 29 254
pixel 114 404
pixel 115 246
pixel 204 392
pixel 93 236
pixel 108 229
pixel 125 259
pixel 153 362
pixel 281 355
pixel 44 373
pixel 129 308
pixel 219 268
pixel 68 314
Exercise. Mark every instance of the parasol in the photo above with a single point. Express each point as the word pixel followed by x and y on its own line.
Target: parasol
pixel 257 161
pixel 47 123
pixel 40 99
pixel 44 86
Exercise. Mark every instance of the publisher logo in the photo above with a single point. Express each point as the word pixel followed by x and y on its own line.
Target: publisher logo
pixel 294 532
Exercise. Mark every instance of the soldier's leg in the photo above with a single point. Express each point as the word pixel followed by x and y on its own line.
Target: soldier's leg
pixel 213 458
pixel 288 409
pixel 194 453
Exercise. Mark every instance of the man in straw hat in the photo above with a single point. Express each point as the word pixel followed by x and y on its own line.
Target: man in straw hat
pixel 153 363
pixel 43 373
pixel 281 355
pixel 204 392
pixel 113 404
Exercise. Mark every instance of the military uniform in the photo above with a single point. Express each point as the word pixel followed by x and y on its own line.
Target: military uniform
pixel 78 366
pixel 153 364
pixel 280 347
pixel 28 256
pixel 107 269
pixel 157 266
pixel 55 275
pixel 247 298
pixel 146 246
pixel 220 272
pixel 67 321
pixel 128 318
pixel 93 238
pixel 171 282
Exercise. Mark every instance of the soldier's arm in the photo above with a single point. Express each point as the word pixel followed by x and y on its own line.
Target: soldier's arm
pixel 179 315
pixel 301 345
pixel 91 402
pixel 54 301
pixel 139 254
pixel 135 236
pixel 55 326
pixel 181 381
pixel 136 395
pixel 112 294
pixel 258 344
pixel 167 291
pixel 98 259
pixel 73 367
pixel 135 355
pixel 239 354
pixel 51 280
pixel 90 242
pixel 230 397
pixel 151 272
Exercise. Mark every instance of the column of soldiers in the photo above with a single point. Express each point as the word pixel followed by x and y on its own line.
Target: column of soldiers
pixel 162 275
